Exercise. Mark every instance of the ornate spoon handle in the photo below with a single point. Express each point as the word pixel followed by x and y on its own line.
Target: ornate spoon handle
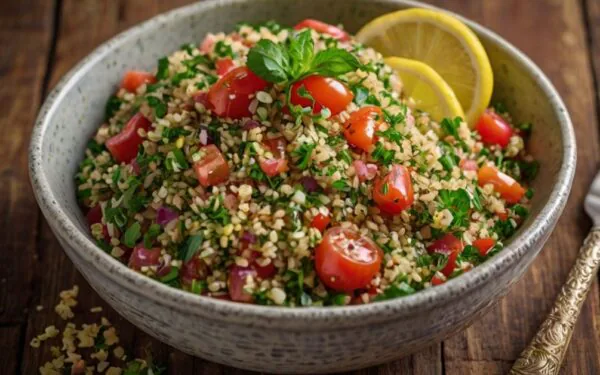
pixel 545 353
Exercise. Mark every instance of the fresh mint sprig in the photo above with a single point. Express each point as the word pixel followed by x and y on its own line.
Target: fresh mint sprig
pixel 280 63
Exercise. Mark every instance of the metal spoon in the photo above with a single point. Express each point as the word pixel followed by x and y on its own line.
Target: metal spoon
pixel 546 351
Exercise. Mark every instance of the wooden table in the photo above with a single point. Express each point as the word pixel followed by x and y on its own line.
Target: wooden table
pixel 40 40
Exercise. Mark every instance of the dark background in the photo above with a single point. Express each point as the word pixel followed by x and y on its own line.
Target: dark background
pixel 40 40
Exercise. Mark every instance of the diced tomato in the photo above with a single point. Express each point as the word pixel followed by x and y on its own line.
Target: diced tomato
pixel 393 193
pixel 224 66
pixel 435 281
pixel 320 222
pixel 264 272
pixel 451 247
pixel 510 190
pixel 193 269
pixel 345 260
pixel 237 280
pixel 494 130
pixel 360 128
pixel 323 28
pixel 468 165
pixel 484 245
pixel 141 257
pixel 207 44
pixel 124 146
pixel 325 92
pixel 212 169
pixel 134 79
pixel 94 215
pixel 503 215
pixel 278 163
pixel 230 95
pixel 230 202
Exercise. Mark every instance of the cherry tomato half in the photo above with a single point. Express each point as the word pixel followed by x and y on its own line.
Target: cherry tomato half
pixel 494 130
pixel 224 66
pixel 134 79
pixel 345 260
pixel 510 190
pixel 324 28
pixel 360 128
pixel 325 91
pixel 320 222
pixel 393 193
pixel 124 146
pixel 484 245
pixel 451 247
pixel 212 169
pixel 230 95
pixel 278 163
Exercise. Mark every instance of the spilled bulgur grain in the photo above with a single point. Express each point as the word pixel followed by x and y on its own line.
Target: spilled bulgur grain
pixel 97 344
pixel 221 172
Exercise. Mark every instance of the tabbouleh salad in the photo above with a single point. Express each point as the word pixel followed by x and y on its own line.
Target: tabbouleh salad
pixel 284 166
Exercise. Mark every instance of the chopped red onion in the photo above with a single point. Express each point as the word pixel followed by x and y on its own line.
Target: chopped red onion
pixel 203 137
pixel 165 215
pixel 248 237
pixel 251 124
pixel 309 184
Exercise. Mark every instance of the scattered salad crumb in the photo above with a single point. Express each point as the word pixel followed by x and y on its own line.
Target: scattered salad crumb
pixel 89 349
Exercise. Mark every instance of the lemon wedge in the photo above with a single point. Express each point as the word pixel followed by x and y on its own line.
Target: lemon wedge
pixel 427 88
pixel 442 42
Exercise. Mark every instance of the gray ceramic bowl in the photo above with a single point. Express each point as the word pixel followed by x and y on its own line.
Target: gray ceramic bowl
pixel 281 339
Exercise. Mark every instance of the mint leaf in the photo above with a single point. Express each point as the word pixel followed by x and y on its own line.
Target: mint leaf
pixel 334 62
pixel 163 69
pixel 132 234
pixel 269 60
pixel 191 247
pixel 301 52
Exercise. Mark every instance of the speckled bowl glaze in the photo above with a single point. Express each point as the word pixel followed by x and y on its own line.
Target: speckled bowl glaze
pixel 308 340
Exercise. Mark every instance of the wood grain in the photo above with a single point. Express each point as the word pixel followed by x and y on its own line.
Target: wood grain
pixel 25 45
pixel 488 347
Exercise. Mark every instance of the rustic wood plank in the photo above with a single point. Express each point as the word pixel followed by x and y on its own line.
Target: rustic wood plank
pixel 10 343
pixel 491 344
pixel 25 34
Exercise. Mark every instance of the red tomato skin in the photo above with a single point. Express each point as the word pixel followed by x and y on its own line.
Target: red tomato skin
pixel 94 215
pixel 134 79
pixel 484 245
pixel 451 247
pixel 236 282
pixel 124 146
pixel 142 257
pixel 320 222
pixel 263 272
pixel 510 190
pixel 278 163
pixel 323 28
pixel 212 169
pixel 435 281
pixel 193 269
pixel 229 96
pixel 468 165
pixel 494 130
pixel 340 272
pixel 360 128
pixel 326 92
pixel 400 194
pixel 224 66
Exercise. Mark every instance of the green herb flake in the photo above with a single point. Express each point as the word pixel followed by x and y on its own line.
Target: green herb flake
pixel 190 247
pixel 132 234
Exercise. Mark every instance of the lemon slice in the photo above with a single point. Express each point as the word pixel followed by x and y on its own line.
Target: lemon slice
pixel 442 42
pixel 427 88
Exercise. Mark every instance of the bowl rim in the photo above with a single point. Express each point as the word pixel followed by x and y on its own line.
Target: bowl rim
pixel 273 316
